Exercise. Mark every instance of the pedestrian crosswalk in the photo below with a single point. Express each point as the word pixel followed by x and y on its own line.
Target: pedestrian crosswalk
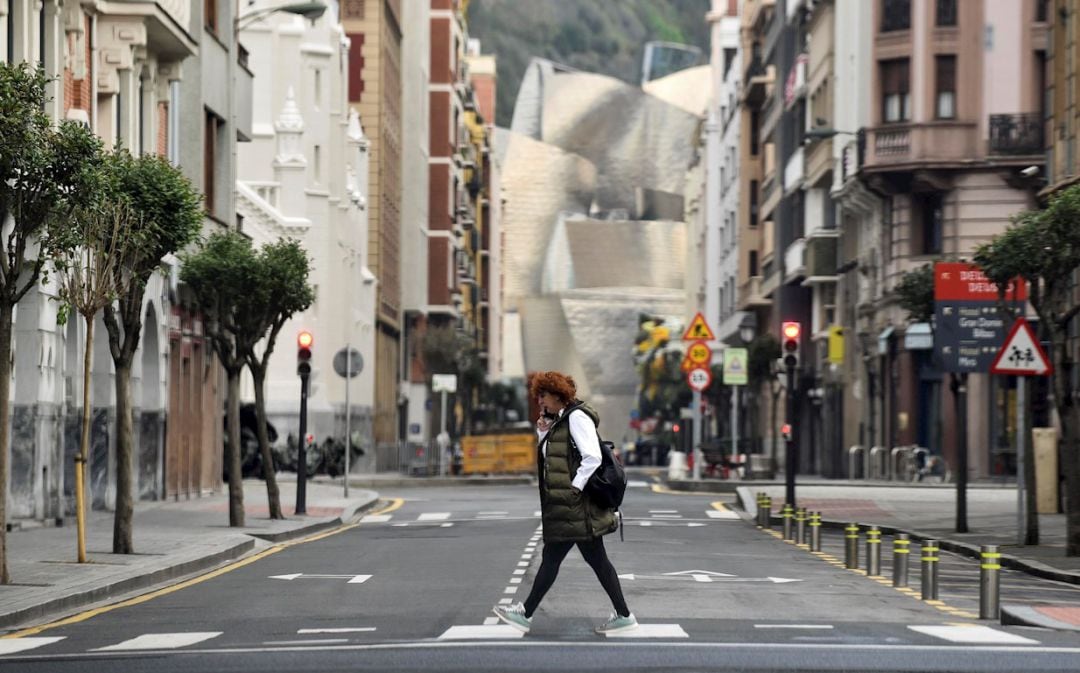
pixel 690 518
pixel 490 629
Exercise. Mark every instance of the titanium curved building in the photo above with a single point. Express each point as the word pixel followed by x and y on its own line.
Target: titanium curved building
pixel 593 174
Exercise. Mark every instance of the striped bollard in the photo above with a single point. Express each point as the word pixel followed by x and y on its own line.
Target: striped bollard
pixel 929 570
pixel 901 554
pixel 761 509
pixel 768 513
pixel 851 546
pixel 800 525
pixel 787 513
pixel 989 582
pixel 815 531
pixel 873 551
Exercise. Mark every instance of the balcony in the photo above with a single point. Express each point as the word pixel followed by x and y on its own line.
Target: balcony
pixel 794 171
pixel 795 260
pixel 821 256
pixel 853 156
pixel 758 79
pixel 1017 134
pixel 903 146
pixel 750 294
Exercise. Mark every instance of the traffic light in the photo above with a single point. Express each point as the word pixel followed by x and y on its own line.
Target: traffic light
pixel 303 352
pixel 790 333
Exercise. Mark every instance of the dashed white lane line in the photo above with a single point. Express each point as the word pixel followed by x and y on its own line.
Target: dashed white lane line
pixel 375 518
pixel 652 631
pixel 973 634
pixel 481 632
pixel 793 626
pixel 721 514
pixel 317 641
pixel 160 641
pixel 13 645
pixel 510 590
pixel 356 629
pixel 663 511
pixel 433 516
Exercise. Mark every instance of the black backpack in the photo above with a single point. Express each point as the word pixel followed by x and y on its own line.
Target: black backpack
pixel 607 485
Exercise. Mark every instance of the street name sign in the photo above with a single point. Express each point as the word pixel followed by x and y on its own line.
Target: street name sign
pixel 1021 355
pixel 970 326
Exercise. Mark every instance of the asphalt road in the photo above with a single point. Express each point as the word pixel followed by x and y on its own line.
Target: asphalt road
pixel 410 587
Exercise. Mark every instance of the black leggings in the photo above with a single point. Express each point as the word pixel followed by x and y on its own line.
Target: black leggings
pixel 595 556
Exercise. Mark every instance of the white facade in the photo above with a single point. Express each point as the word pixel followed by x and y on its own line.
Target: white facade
pixel 415 155
pixel 303 175
pixel 720 270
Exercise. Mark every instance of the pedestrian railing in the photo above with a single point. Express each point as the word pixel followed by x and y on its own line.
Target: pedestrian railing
pixel 877 465
pixel 856 462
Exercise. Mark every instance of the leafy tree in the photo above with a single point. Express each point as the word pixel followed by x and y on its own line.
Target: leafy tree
pixel 166 215
pixel 279 289
pixel 916 293
pixel 447 351
pixel 220 276
pixel 1043 248
pixel 88 258
pixel 762 354
pixel 45 171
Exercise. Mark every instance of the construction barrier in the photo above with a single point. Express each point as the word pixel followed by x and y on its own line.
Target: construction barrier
pixel 499 454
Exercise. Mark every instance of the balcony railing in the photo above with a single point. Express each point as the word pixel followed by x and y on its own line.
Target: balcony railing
pixel 1016 133
pixel 936 142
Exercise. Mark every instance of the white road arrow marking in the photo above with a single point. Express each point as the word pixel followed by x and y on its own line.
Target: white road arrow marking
pixel 660 523
pixel 353 579
pixel 708 578
pixel 701 573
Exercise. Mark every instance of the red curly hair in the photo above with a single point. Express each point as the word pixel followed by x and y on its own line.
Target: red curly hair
pixel 558 384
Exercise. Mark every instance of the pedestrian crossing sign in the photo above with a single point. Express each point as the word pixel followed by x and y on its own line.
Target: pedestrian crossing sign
pixel 698 330
pixel 1021 355
pixel 735 373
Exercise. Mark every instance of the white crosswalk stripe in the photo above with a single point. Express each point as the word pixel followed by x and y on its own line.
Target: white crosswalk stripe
pixel 974 634
pixel 161 641
pixel 13 645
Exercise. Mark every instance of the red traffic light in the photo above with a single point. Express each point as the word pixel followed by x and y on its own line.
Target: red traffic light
pixel 785 431
pixel 791 330
pixel 304 339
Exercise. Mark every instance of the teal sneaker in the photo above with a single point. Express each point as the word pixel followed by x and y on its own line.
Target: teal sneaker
pixel 514 615
pixel 617 624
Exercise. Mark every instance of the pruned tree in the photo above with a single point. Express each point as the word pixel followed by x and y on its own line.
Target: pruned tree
pixel 219 274
pixel 46 170
pixel 88 259
pixel 279 289
pixel 916 293
pixel 168 214
pixel 1043 248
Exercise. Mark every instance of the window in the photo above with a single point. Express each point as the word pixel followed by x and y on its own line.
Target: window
pixel 318 164
pixel 754 133
pixel 946 12
pixel 895 15
pixel 210 15
pixel 895 90
pixel 211 136
pixel 930 213
pixel 945 77
pixel 752 263
pixel 753 203
pixel 729 59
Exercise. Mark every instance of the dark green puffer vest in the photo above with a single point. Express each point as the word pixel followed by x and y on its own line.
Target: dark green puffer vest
pixel 568 516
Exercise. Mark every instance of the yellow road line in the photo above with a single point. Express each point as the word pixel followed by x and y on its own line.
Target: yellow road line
pixel 395 503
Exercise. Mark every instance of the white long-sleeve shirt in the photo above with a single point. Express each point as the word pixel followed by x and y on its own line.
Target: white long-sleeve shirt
pixel 587 442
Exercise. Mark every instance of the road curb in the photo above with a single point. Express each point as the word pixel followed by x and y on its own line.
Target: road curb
pixel 85 598
pixel 347 514
pixel 1024 615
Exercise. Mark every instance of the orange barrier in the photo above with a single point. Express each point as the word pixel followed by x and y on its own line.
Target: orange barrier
pixel 498 454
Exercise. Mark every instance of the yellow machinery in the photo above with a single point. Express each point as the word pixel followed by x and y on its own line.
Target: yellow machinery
pixel 511 453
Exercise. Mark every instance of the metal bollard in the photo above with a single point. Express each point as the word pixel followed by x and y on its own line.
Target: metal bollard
pixel 873 552
pixel 901 554
pixel 851 545
pixel 768 513
pixel 787 513
pixel 815 531
pixel 762 509
pixel 929 570
pixel 760 498
pixel 990 582
pixel 800 525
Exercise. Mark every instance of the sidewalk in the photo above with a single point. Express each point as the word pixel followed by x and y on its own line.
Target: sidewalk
pixel 929 512
pixel 173 538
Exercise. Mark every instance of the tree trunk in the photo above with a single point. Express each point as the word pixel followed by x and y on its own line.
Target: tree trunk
pixel 125 441
pixel 232 449
pixel 6 311
pixel 1069 416
pixel 84 440
pixel 273 496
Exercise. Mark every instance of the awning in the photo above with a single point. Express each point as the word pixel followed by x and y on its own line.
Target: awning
pixel 883 340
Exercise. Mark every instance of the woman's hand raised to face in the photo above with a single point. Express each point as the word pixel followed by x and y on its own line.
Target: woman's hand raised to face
pixel 543 423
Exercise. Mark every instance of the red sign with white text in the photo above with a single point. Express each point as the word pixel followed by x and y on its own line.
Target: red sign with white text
pixel 956 281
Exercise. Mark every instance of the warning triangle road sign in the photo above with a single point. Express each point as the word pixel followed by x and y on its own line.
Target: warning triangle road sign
pixel 1021 355
pixel 698 330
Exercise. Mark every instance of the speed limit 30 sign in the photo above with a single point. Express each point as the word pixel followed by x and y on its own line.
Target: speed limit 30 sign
pixel 699 378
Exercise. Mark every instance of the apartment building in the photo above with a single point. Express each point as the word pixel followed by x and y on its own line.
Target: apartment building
pixel 375 29
pixel 128 71
pixel 305 175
